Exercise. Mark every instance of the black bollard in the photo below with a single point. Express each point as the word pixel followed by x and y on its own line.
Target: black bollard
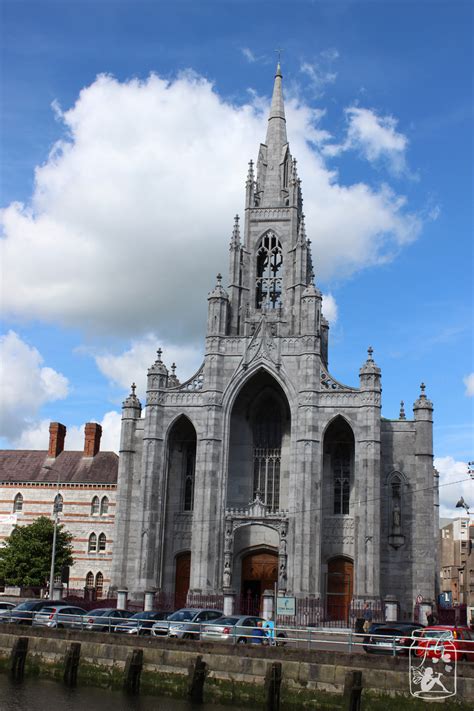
pixel 133 670
pixel 352 691
pixel 71 663
pixel 197 677
pixel 272 686
pixel 18 658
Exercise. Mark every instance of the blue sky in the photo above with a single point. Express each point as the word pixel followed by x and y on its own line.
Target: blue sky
pixel 119 193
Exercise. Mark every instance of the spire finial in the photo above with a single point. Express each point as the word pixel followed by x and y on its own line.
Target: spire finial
pixel 370 351
pixel 422 388
pixel 159 353
pixel 278 69
pixel 402 415
pixel 133 388
pixel 173 368
pixel 219 279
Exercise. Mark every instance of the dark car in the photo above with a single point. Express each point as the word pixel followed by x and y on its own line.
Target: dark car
pixel 105 619
pixel 185 623
pixel 24 613
pixel 142 622
pixel 390 638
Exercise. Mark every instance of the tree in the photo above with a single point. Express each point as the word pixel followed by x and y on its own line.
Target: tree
pixel 25 559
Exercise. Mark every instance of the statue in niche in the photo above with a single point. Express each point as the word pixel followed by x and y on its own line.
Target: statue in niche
pixel 396 507
pixel 228 538
pixel 227 574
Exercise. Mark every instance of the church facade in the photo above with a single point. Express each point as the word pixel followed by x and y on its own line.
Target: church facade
pixel 263 469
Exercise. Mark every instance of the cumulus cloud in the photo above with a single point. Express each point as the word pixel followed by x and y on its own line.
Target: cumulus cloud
pixel 26 384
pixel 452 471
pixel 132 365
pixel 469 383
pixel 319 73
pixel 36 435
pixel 330 308
pixel 375 137
pixel 249 55
pixel 132 211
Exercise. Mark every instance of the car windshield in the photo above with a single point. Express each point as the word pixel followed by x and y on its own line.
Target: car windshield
pixel 47 610
pixel 225 621
pixel 438 634
pixel 183 615
pixel 142 616
pixel 29 605
pixel 99 613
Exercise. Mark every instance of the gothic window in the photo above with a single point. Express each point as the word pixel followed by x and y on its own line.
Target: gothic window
pixel 95 506
pixel 341 470
pixel 92 547
pixel 267 453
pixel 58 503
pixel 18 503
pixel 90 579
pixel 189 460
pixel 102 542
pixel 99 584
pixel 269 273
pixel 104 506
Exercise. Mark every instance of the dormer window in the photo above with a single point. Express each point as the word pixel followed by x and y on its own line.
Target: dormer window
pixel 269 273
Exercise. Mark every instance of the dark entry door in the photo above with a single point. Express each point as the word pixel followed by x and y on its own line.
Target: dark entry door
pixel 339 588
pixel 259 573
pixel 183 571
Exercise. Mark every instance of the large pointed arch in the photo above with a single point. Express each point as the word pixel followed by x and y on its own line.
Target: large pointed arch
pixel 338 466
pixel 181 444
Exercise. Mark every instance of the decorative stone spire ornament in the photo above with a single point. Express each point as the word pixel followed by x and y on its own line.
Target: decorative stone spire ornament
pixel 370 352
pixel 173 380
pixel 402 415
pixel 250 175
pixel 132 403
pixel 235 239
pixel 302 233
pixel 422 403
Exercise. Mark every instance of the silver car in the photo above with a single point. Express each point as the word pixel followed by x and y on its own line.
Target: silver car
pixel 239 629
pixel 185 623
pixel 57 616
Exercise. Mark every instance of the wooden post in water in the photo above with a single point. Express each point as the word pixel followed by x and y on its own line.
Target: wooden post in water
pixel 133 670
pixel 352 691
pixel 71 664
pixel 197 677
pixel 18 658
pixel 272 687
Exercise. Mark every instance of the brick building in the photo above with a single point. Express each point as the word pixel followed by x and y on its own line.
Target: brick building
pixel 457 560
pixel 84 484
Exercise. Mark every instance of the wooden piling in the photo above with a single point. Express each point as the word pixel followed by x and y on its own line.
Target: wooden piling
pixel 197 677
pixel 18 658
pixel 71 663
pixel 352 691
pixel 133 670
pixel 272 687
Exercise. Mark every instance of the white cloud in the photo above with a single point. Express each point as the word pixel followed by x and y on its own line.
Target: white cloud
pixel 469 383
pixel 454 483
pixel 375 137
pixel 330 308
pixel 132 211
pixel 132 365
pixel 26 384
pixel 319 77
pixel 249 55
pixel 36 435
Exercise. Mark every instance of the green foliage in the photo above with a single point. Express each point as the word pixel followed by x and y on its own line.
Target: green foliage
pixel 25 559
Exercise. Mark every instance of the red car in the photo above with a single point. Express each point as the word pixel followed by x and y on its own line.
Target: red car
pixel 430 641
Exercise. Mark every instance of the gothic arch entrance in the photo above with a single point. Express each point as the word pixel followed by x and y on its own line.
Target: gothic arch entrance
pixel 340 579
pixel 183 571
pixel 259 573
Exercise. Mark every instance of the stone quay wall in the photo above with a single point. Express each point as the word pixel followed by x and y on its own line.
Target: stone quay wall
pixel 234 674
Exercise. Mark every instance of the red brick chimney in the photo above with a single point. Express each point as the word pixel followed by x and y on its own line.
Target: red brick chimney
pixel 57 435
pixel 93 433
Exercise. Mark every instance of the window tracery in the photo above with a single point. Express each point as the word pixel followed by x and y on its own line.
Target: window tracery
pixel 99 584
pixel 102 542
pixel 18 503
pixel 269 273
pixel 90 579
pixel 104 506
pixel 341 470
pixel 95 505
pixel 189 462
pixel 92 547
pixel 267 436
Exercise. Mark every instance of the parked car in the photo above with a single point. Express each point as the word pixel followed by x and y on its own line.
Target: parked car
pixel 142 622
pixel 239 629
pixel 23 613
pixel 7 605
pixel 385 639
pixel 185 623
pixel 61 615
pixel 430 642
pixel 105 619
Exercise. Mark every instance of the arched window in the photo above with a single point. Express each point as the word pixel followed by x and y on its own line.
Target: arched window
pixel 102 542
pixel 396 503
pixel 95 506
pixel 18 503
pixel 99 584
pixel 341 470
pixel 267 436
pixel 58 503
pixel 104 506
pixel 189 462
pixel 269 273
pixel 90 579
pixel 92 547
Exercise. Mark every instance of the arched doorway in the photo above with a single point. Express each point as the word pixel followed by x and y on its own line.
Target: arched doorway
pixel 339 586
pixel 181 587
pixel 259 573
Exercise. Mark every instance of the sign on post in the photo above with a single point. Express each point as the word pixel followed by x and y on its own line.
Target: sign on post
pixel 286 605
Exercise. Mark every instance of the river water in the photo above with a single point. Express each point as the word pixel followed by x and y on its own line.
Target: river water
pixel 39 695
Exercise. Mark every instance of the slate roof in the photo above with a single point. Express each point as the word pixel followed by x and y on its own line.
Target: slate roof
pixel 17 465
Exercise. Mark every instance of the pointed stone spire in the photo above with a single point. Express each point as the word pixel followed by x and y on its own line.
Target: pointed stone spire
pixel 250 175
pixel 173 380
pixel 235 239
pixel 402 415
pixel 302 233
pixel 131 405
pixel 276 131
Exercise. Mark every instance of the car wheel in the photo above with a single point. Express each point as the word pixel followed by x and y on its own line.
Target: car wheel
pixel 60 627
pixel 281 640
pixel 241 640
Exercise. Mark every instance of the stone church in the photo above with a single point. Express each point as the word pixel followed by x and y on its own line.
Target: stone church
pixel 263 471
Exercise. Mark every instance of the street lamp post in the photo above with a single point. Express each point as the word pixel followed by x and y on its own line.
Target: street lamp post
pixel 55 528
